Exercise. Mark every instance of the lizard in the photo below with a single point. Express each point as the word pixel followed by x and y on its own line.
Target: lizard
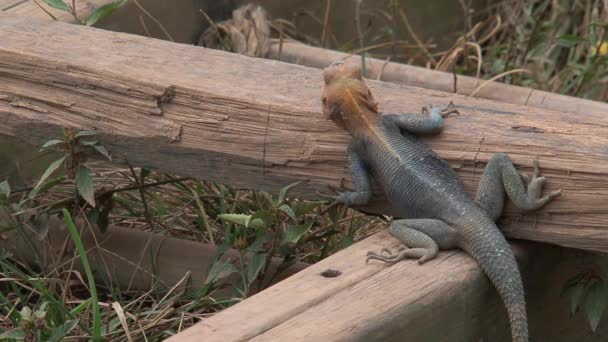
pixel 435 213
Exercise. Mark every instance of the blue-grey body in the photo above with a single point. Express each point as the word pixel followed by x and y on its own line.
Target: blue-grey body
pixel 435 211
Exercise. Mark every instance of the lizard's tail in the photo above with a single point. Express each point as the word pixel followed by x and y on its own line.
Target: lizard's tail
pixel 494 256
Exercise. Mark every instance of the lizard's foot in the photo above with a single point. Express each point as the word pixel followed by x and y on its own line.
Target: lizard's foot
pixel 401 253
pixel 347 198
pixel 444 112
pixel 449 109
pixel 536 182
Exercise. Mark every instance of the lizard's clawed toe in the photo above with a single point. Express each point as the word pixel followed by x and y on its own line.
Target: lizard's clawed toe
pixel 552 195
pixel 385 255
pixel 525 177
pixel 385 251
pixel 389 259
pixel 555 193
pixel 401 253
pixel 449 109
pixel 536 164
pixel 535 185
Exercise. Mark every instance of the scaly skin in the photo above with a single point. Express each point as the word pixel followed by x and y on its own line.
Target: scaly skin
pixel 435 210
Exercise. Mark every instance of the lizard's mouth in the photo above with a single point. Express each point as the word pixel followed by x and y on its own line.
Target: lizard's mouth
pixel 333 112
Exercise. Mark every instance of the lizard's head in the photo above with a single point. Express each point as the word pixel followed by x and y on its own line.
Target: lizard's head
pixel 347 100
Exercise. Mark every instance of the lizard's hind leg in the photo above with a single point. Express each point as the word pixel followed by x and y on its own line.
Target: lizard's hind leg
pixel 421 239
pixel 500 176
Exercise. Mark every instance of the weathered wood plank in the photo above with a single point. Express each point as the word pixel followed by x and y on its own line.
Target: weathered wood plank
pixel 6 4
pixel 124 256
pixel 258 123
pixel 447 299
pixel 290 297
pixel 299 53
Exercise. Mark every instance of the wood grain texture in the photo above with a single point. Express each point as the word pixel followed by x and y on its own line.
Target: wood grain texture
pixel 299 53
pixel 448 299
pixel 290 297
pixel 6 4
pixel 445 300
pixel 257 123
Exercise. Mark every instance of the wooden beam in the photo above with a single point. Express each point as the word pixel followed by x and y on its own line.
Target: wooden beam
pixel 292 296
pixel 447 299
pixel 299 53
pixel 6 4
pixel 257 123
pixel 131 258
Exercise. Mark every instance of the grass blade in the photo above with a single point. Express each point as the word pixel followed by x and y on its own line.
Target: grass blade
pixel 89 273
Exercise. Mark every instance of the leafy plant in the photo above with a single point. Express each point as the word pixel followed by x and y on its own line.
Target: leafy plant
pixel 36 325
pixel 95 16
pixel 587 290
pixel 75 148
pixel 277 227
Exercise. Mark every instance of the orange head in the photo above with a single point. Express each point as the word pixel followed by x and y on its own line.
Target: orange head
pixel 347 100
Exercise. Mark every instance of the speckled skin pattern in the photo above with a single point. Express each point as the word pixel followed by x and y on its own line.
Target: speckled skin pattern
pixel 435 211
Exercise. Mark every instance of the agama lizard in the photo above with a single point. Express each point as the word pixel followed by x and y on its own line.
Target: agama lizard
pixel 435 211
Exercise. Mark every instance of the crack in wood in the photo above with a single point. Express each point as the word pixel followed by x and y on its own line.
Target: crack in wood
pixel 527 129
pixel 265 142
pixel 166 97
pixel 28 105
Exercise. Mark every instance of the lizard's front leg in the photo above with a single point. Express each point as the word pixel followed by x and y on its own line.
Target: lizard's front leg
pixel 429 122
pixel 361 181
pixel 421 238
pixel 500 177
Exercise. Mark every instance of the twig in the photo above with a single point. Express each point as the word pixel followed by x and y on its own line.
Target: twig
pixel 113 191
pixel 360 35
pixel 143 24
pixel 280 40
pixel 325 22
pixel 73 10
pixel 203 214
pixel 123 320
pixel 479 58
pixel 142 194
pixel 227 45
pixel 526 71
pixel 411 31
pixel 45 10
pixel 382 68
pixel 494 30
pixel 90 228
pixel 154 19
pixel 400 43
pixel 467 24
